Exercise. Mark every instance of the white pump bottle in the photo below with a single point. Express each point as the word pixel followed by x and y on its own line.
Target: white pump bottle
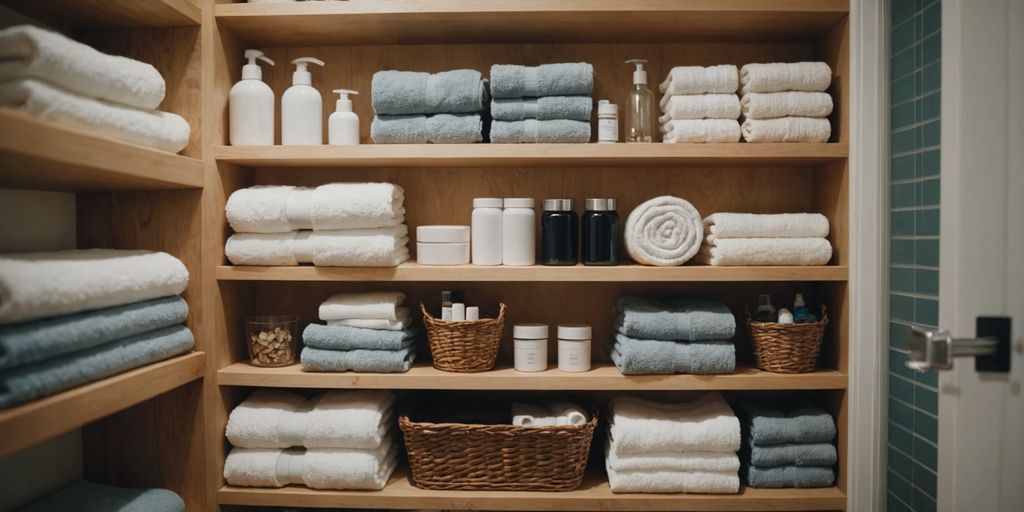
pixel 251 106
pixel 302 108
pixel 343 125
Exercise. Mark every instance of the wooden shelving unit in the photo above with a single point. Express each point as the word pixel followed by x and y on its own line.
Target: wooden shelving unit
pixel 113 13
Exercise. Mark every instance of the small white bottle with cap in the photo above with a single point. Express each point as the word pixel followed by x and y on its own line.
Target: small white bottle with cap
pixel 518 232
pixel 486 237
pixel 302 108
pixel 574 347
pixel 531 347
pixel 343 125
pixel 251 106
pixel 607 122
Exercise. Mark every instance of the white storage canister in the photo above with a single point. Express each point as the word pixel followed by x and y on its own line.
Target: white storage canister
pixel 531 347
pixel 574 347
pixel 442 245
pixel 518 228
pixel 486 244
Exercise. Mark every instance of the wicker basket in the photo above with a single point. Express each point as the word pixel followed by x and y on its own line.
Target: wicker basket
pixel 464 346
pixel 497 456
pixel 787 348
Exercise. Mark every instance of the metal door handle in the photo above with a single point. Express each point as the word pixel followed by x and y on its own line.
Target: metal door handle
pixel 935 350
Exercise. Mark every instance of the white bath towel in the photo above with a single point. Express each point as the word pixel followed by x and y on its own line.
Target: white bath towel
pixel 403 319
pixel 759 225
pixel 276 249
pixel 343 206
pixel 43 284
pixel 726 252
pixel 321 468
pixel 704 424
pixel 30 52
pixel 769 105
pixel 700 106
pixel 673 482
pixel 787 129
pixel 548 414
pixel 150 128
pixel 720 462
pixel 785 76
pixel 380 247
pixel 269 209
pixel 723 78
pixel 257 421
pixel 367 305
pixel 664 231
pixel 700 131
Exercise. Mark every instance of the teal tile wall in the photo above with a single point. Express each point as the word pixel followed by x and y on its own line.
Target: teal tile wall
pixel 914 121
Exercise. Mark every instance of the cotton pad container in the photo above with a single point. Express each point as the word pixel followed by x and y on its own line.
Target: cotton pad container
pixel 442 245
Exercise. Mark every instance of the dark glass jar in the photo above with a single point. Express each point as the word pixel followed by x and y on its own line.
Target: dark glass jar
pixel 600 233
pixel 559 233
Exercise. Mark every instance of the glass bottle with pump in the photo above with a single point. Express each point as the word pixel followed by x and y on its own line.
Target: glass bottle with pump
pixel 639 106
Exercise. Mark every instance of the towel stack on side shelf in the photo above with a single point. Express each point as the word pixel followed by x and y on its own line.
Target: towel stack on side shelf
pixel 85 496
pixel 787 445
pixel 786 102
pixel 700 104
pixel 421 108
pixel 365 332
pixel 733 239
pixel 550 103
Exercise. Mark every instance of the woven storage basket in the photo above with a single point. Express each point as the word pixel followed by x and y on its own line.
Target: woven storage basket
pixel 464 346
pixel 787 348
pixel 497 457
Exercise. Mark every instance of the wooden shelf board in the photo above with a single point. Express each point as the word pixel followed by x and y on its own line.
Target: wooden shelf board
pixel 112 13
pixel 43 155
pixel 532 155
pixel 39 420
pixel 523 21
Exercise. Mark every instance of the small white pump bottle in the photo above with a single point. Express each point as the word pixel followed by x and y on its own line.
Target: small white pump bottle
pixel 251 106
pixel 639 106
pixel 302 108
pixel 343 125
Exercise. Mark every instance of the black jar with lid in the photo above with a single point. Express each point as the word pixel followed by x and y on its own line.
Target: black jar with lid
pixel 600 233
pixel 559 233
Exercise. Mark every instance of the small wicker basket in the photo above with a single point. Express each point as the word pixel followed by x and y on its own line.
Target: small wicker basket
pixel 464 346
pixel 787 348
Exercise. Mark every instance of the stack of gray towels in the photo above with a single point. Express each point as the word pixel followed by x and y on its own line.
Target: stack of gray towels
pixel 665 336
pixel 428 108
pixel 550 103
pixel 85 496
pixel 787 444
pixel 365 332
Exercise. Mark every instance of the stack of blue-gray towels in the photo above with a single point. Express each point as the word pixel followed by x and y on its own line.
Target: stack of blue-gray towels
pixel 365 332
pixel 85 496
pixel 428 108
pixel 550 103
pixel 787 444
pixel 665 336
pixel 68 318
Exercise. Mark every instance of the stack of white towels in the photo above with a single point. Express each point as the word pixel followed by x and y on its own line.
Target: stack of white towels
pixel 700 104
pixel 786 102
pixel 338 440
pixel 333 225
pixel 737 239
pixel 686 447
pixel 52 77
pixel 365 332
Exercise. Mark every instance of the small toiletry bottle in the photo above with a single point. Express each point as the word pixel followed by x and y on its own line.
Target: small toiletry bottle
pixel 799 309
pixel 785 317
pixel 639 106
pixel 343 125
pixel 251 106
pixel 458 311
pixel 559 233
pixel 302 108
pixel 449 297
pixel 486 231
pixel 607 122
pixel 600 233
pixel 473 313
pixel 518 238
pixel 574 347
pixel 765 311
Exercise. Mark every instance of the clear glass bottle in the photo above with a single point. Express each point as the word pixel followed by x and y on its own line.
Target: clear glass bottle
pixel 639 106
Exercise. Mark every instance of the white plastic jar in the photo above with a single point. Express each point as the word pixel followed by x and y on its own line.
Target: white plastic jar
pixel 518 228
pixel 486 244
pixel 531 347
pixel 574 347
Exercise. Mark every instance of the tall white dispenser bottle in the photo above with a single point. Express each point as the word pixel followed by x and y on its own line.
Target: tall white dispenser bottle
pixel 251 106
pixel 302 108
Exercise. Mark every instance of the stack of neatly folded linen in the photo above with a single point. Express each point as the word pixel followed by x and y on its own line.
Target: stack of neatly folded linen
pixel 338 440
pixel 50 76
pixel 421 108
pixel 765 239
pixel 787 445
pixel 353 225
pixel 786 102
pixel 68 318
pixel 365 332
pixel 700 104
pixel 550 103
pixel 672 336
pixel 673 447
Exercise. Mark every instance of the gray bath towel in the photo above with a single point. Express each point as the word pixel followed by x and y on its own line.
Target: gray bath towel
pixel 777 423
pixel 373 361
pixel 343 337
pixel 568 79
pixel 458 91
pixel 674 319
pixel 37 340
pixel 575 108
pixel 436 129
pixel 83 496
pixel 654 357
pixel 791 454
pixel 532 130
pixel 790 476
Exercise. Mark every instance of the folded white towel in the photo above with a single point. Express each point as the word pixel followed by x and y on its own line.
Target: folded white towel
pixel 712 462
pixel 785 76
pixel 276 249
pixel 673 482
pixel 758 225
pixel 699 80
pixel 380 247
pixel 700 106
pixel 150 128
pixel 269 209
pixel 787 129
pixel 321 468
pixel 336 206
pixel 368 305
pixel 549 414
pixel 768 105
pixel 704 424
pixel 43 284
pixel 664 231
pixel 257 421
pixel 30 52
pixel 402 321
pixel 765 251
pixel 700 130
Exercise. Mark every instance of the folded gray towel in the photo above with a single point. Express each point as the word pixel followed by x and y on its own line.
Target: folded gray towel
pixel 532 130
pixel 436 129
pixel 70 370
pixel 373 361
pixel 343 337
pixel 777 423
pixel 83 496
pixel 673 319
pixel 790 476
pixel 37 340
pixel 568 79
pixel 458 91
pixel 791 454
pixel 655 357
pixel 546 108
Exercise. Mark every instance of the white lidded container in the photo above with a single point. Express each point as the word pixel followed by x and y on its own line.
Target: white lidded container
pixel 607 122
pixel 442 245
pixel 486 224
pixel 343 125
pixel 518 232
pixel 251 106
pixel 531 347
pixel 302 108
pixel 574 347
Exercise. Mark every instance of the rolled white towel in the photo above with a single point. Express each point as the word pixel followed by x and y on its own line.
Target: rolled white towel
pixel 759 225
pixel 336 206
pixel 699 80
pixel 380 247
pixel 785 76
pixel 403 319
pixel 699 106
pixel 705 424
pixel 701 131
pixel 769 105
pixel 549 414
pixel 319 468
pixel 673 482
pixel 787 129
pixel 368 305
pixel 714 462
pixel 726 252
pixel 664 231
